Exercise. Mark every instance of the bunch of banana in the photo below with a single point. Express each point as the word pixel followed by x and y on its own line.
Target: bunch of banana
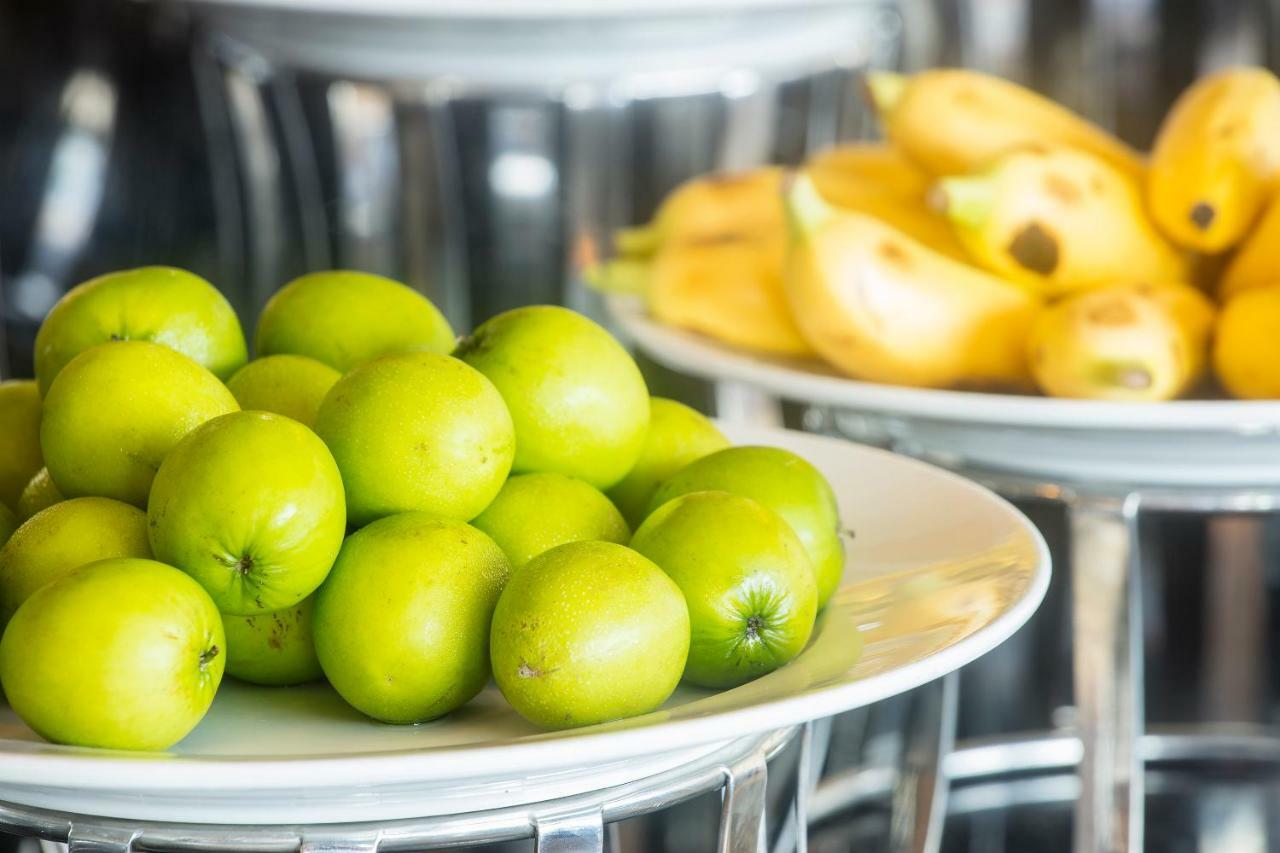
pixel 952 121
pixel 1216 159
pixel 886 308
pixel 1059 219
pixel 1131 342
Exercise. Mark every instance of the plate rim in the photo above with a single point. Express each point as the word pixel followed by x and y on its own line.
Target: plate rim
pixel 113 771
pixel 787 378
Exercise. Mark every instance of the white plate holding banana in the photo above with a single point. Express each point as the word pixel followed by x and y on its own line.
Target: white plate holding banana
pixel 996 245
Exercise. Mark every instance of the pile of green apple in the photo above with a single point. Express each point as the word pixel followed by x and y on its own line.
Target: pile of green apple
pixel 374 502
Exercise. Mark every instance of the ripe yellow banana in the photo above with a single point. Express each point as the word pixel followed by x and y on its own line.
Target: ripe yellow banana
pixel 712 206
pixel 953 121
pixel 1257 262
pixel 1059 219
pixel 728 288
pixel 878 180
pixel 1124 342
pixel 1246 348
pixel 1216 159
pixel 884 308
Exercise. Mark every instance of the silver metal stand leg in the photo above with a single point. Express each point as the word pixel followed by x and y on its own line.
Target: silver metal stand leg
pixel 339 842
pixel 793 835
pixel 743 404
pixel 576 832
pixel 742 809
pixel 1235 620
pixel 1107 643
pixel 920 795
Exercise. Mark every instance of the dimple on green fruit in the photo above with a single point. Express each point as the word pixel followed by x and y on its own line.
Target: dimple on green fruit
pixel 746 578
pixel 586 633
pixel 168 306
pixel 121 654
pixel 578 401
pixel 677 436
pixel 783 482
pixel 536 512
pixel 345 318
pixel 402 624
pixel 417 432
pixel 116 410
pixel 250 505
pixel 57 540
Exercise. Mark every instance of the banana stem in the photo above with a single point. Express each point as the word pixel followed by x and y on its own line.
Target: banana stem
pixel 807 210
pixel 966 201
pixel 623 275
pixel 884 89
pixel 642 240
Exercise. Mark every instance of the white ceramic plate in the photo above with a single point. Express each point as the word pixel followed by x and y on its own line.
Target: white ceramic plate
pixel 939 572
pixel 1194 443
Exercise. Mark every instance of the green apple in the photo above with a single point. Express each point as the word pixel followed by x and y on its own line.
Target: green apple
pixel 577 399
pixel 417 432
pixel 535 512
pixel 64 537
pixel 345 318
pixel 121 654
pixel 586 633
pixel 8 524
pixel 402 624
pixel 116 410
pixel 747 580
pixel 289 385
pixel 784 483
pixel 275 649
pixel 20 455
pixel 677 436
pixel 40 493
pixel 169 306
pixel 250 505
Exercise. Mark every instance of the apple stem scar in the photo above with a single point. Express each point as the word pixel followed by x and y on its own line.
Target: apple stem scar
pixel 754 624
pixel 207 656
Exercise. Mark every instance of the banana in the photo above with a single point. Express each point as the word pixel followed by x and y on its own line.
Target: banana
pixel 882 307
pixel 712 206
pixel 728 288
pixel 1124 342
pixel 1257 262
pixel 1216 159
pixel 1246 348
pixel 1058 219
pixel 878 180
pixel 953 121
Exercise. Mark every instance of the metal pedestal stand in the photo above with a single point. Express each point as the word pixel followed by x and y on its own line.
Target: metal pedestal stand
pixel 569 825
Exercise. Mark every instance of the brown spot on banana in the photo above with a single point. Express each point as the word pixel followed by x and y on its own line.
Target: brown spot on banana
pixel 1035 249
pixel 1062 189
pixel 1202 215
pixel 1113 312
pixel 894 254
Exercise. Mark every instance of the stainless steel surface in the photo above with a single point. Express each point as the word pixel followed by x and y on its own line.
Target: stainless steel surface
pixel 920 796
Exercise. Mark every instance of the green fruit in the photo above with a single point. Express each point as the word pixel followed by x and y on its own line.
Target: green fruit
pixel 586 633
pixel 250 505
pixel 121 654
pixel 40 493
pixel 417 432
pixel 62 538
pixel 535 512
pixel 677 436
pixel 786 484
pixel 289 385
pixel 346 318
pixel 115 412
pixel 8 524
pixel 402 623
pixel 578 401
pixel 746 578
pixel 20 455
pixel 168 306
pixel 275 649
